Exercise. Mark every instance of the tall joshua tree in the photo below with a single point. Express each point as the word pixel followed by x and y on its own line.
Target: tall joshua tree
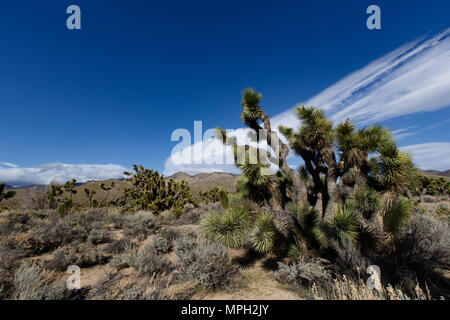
pixel 336 158
pixel 4 195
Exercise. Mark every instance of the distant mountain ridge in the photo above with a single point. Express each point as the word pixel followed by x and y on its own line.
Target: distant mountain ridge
pixel 437 173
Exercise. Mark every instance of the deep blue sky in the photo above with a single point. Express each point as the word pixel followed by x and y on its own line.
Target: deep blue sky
pixel 114 91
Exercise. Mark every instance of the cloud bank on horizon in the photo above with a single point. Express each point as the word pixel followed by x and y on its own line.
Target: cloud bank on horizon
pixel 413 78
pixel 14 175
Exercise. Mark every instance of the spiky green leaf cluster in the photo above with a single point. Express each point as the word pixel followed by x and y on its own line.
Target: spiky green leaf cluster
pixel 264 233
pixel 4 195
pixel 343 225
pixel 150 191
pixel 398 216
pixel 228 228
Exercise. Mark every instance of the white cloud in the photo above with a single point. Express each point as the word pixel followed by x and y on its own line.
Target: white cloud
pixel 59 172
pixel 413 78
pixel 8 164
pixel 435 155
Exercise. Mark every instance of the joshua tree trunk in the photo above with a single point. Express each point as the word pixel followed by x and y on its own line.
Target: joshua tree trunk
pixel 282 150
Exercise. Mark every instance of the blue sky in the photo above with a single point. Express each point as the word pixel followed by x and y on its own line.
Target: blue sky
pixel 89 103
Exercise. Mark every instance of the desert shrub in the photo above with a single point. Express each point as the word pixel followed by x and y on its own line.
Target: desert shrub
pixel 33 282
pixel 11 251
pixel 397 217
pixel 159 245
pixel 115 218
pixel 97 236
pixel 119 261
pixel 82 256
pixel 416 253
pixel 54 232
pixel 343 225
pixel 139 224
pixel 426 241
pixel 206 263
pixel 117 246
pixel 145 260
pixel 430 199
pixel 193 215
pixel 443 211
pixel 14 222
pixel 170 234
pixel 152 290
pixel 299 275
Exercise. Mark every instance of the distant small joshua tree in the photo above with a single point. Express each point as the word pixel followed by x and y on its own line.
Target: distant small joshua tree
pixel 4 195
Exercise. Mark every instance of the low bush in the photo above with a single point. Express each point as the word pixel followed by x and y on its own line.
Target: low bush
pixel 82 257
pixel 98 236
pixel 299 275
pixel 33 282
pixel 144 259
pixel 207 263
pixel 139 224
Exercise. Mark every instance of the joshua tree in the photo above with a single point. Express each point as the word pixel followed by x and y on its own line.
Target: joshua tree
pixel 4 195
pixel 106 190
pixel 90 197
pixel 150 191
pixel 336 171
pixel 334 175
pixel 69 187
pixel 53 194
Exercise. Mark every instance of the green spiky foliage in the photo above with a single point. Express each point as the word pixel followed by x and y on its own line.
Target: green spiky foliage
pixel 106 189
pixel 64 206
pixel 53 195
pixel 434 186
pixel 264 233
pixel 256 183
pixel 150 191
pixel 69 186
pixel 392 169
pixel 351 189
pixel 398 216
pixel 223 197
pixel 310 224
pixel 4 194
pixel 89 194
pixel 209 196
pixel 366 201
pixel 343 225
pixel 229 227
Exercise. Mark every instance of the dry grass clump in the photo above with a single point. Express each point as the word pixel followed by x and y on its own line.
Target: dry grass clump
pixel 347 289
pixel 33 282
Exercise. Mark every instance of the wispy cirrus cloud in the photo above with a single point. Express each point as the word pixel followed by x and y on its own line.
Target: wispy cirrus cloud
pixel 58 172
pixel 434 155
pixel 413 78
